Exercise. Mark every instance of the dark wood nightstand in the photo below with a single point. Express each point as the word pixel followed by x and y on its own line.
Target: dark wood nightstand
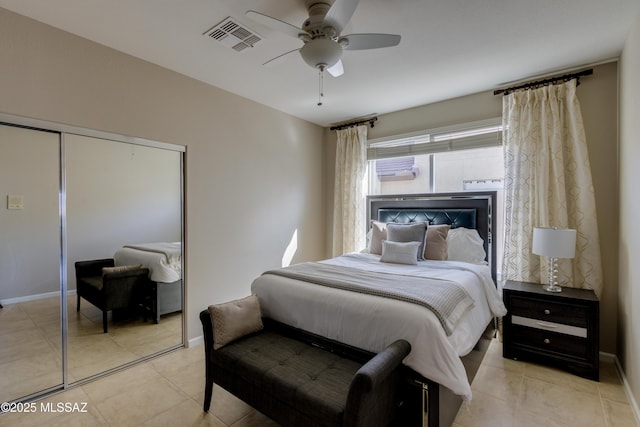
pixel 561 329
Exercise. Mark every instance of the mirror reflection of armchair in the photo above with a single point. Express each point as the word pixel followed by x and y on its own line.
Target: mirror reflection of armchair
pixel 112 289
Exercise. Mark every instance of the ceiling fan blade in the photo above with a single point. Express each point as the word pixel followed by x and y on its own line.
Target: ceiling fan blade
pixel 275 24
pixel 340 14
pixel 336 70
pixel 279 59
pixel 371 41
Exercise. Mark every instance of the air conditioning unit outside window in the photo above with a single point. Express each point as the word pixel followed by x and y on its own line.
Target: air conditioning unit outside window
pixel 396 169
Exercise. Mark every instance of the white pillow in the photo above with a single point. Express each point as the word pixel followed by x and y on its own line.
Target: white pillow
pixel 400 252
pixel 377 233
pixel 465 244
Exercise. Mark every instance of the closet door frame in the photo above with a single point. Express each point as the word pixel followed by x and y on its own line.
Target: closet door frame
pixel 62 130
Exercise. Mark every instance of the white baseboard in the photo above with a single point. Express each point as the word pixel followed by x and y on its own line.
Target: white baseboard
pixel 632 401
pixel 35 297
pixel 607 357
pixel 196 341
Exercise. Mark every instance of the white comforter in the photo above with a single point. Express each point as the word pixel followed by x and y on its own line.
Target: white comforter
pixel 164 260
pixel 372 322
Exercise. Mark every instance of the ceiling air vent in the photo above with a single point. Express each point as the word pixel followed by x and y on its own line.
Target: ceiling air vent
pixel 231 34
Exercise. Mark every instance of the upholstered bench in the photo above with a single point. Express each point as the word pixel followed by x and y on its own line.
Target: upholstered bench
pixel 297 384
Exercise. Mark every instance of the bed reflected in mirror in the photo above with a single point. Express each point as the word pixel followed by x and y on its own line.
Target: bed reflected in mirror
pixel 124 258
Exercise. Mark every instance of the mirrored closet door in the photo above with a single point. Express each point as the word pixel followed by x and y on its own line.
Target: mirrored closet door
pixel 81 197
pixel 30 254
pixel 122 197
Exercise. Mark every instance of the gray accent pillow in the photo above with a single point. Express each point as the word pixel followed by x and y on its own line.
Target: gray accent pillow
pixel 414 232
pixel 235 319
pixel 400 253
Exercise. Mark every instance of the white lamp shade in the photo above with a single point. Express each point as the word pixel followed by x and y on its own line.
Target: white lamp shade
pixel 321 51
pixel 554 242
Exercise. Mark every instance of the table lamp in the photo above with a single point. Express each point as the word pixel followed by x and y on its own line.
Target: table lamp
pixel 554 243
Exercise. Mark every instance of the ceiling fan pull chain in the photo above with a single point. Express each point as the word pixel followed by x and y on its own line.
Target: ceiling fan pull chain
pixel 320 85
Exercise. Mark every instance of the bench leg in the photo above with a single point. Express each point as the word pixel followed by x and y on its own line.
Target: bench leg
pixel 208 390
pixel 104 321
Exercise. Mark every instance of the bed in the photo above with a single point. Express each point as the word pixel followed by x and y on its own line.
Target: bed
pixel 351 313
pixel 164 261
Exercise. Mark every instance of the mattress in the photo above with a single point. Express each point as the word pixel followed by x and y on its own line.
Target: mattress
pixel 164 260
pixel 372 322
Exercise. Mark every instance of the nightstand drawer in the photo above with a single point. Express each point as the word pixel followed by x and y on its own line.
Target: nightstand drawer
pixel 567 345
pixel 558 328
pixel 549 311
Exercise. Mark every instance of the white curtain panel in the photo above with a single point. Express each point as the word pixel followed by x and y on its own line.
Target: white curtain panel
pixel 348 203
pixel 548 184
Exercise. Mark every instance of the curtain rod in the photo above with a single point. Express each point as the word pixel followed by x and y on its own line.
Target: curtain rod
pixel 370 120
pixel 545 82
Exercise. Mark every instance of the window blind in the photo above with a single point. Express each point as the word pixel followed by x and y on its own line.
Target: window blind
pixel 481 134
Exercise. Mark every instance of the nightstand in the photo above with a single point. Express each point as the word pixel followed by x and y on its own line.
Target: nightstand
pixel 561 329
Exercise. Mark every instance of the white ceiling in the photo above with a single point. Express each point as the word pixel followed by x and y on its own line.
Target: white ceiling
pixel 449 48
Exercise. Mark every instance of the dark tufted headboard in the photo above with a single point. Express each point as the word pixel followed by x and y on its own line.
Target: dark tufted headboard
pixel 469 210
pixel 454 217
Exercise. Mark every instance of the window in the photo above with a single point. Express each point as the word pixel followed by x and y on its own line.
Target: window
pixel 466 157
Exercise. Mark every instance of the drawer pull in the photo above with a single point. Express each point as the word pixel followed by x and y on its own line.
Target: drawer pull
pixel 547 311
pixel 546 325
pixel 547 341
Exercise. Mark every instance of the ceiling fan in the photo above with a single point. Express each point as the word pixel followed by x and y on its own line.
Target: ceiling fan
pixel 320 32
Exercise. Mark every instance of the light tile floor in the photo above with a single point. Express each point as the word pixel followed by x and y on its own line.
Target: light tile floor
pixel 518 394
pixel 30 343
pixel 168 391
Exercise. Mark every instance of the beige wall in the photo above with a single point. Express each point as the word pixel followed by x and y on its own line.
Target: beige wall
pixel 29 237
pixel 629 266
pixel 598 99
pixel 254 175
pixel 598 95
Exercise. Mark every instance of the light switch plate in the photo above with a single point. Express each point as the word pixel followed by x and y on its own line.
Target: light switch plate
pixel 15 201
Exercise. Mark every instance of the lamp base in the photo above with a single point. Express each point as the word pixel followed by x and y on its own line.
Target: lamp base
pixel 553 276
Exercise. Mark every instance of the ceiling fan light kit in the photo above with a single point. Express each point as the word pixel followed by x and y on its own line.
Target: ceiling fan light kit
pixel 320 34
pixel 321 52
